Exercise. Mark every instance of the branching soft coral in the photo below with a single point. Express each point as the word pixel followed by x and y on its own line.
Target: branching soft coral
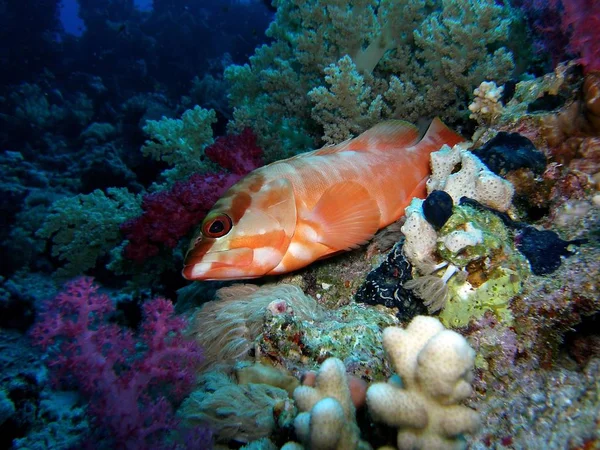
pixel 582 18
pixel 411 59
pixel 126 377
pixel 347 107
pixel 577 34
pixel 169 215
pixel 84 228
pixel 237 153
pixel 180 142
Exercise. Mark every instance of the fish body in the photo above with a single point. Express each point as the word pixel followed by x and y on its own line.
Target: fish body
pixel 288 214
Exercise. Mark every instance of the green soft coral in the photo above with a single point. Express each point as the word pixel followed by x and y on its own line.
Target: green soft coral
pixel 85 227
pixel 459 46
pixel 271 93
pixel 410 59
pixel 269 96
pixel 180 142
pixel 347 106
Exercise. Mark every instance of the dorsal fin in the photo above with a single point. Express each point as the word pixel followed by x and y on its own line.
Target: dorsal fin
pixel 388 135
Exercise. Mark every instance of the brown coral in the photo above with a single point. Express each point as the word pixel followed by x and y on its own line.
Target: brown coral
pixel 591 98
pixel 579 119
pixel 587 157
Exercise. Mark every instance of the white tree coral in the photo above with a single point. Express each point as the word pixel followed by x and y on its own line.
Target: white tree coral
pixel 474 180
pixel 435 366
pixel 486 106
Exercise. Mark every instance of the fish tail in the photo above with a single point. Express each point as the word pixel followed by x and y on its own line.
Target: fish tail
pixel 439 134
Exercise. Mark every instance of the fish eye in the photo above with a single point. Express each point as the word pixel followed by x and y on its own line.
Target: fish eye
pixel 217 226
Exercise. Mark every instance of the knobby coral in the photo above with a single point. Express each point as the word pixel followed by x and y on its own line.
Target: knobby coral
pixel 327 420
pixel 435 366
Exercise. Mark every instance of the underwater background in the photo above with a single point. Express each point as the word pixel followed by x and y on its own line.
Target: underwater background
pixel 470 322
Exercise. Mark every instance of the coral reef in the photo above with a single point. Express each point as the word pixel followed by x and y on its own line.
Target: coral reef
pixel 347 107
pixel 384 285
pixel 473 179
pixel 544 249
pixel 262 374
pixel 84 228
pixel 180 142
pixel 580 18
pixel 506 152
pixel 169 215
pixel 237 318
pixel 591 96
pixel 483 269
pixel 504 248
pixel 437 208
pixel 26 394
pixel 552 409
pixel 487 106
pixel 129 380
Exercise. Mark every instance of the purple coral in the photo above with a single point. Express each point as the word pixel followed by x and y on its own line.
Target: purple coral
pixel 582 19
pixel 127 378
pixel 239 153
pixel 579 21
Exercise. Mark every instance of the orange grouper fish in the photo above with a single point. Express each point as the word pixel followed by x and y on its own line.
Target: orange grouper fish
pixel 290 213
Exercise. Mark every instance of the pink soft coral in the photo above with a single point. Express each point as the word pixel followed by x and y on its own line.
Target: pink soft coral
pixel 237 153
pixel 582 19
pixel 126 377
pixel 170 215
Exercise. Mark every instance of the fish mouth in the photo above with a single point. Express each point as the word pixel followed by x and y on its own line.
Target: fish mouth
pixel 217 264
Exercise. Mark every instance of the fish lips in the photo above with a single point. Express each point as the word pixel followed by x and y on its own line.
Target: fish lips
pixel 206 265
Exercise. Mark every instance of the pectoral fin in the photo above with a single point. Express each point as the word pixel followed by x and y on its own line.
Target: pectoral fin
pixel 346 216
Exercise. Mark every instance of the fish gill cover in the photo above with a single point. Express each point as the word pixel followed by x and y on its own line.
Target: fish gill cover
pixel 123 121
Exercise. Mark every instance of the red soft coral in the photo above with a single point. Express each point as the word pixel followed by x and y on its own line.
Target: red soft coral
pixel 582 19
pixel 237 153
pixel 125 377
pixel 170 215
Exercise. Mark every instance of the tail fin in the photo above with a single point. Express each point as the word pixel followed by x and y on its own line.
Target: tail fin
pixel 439 134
